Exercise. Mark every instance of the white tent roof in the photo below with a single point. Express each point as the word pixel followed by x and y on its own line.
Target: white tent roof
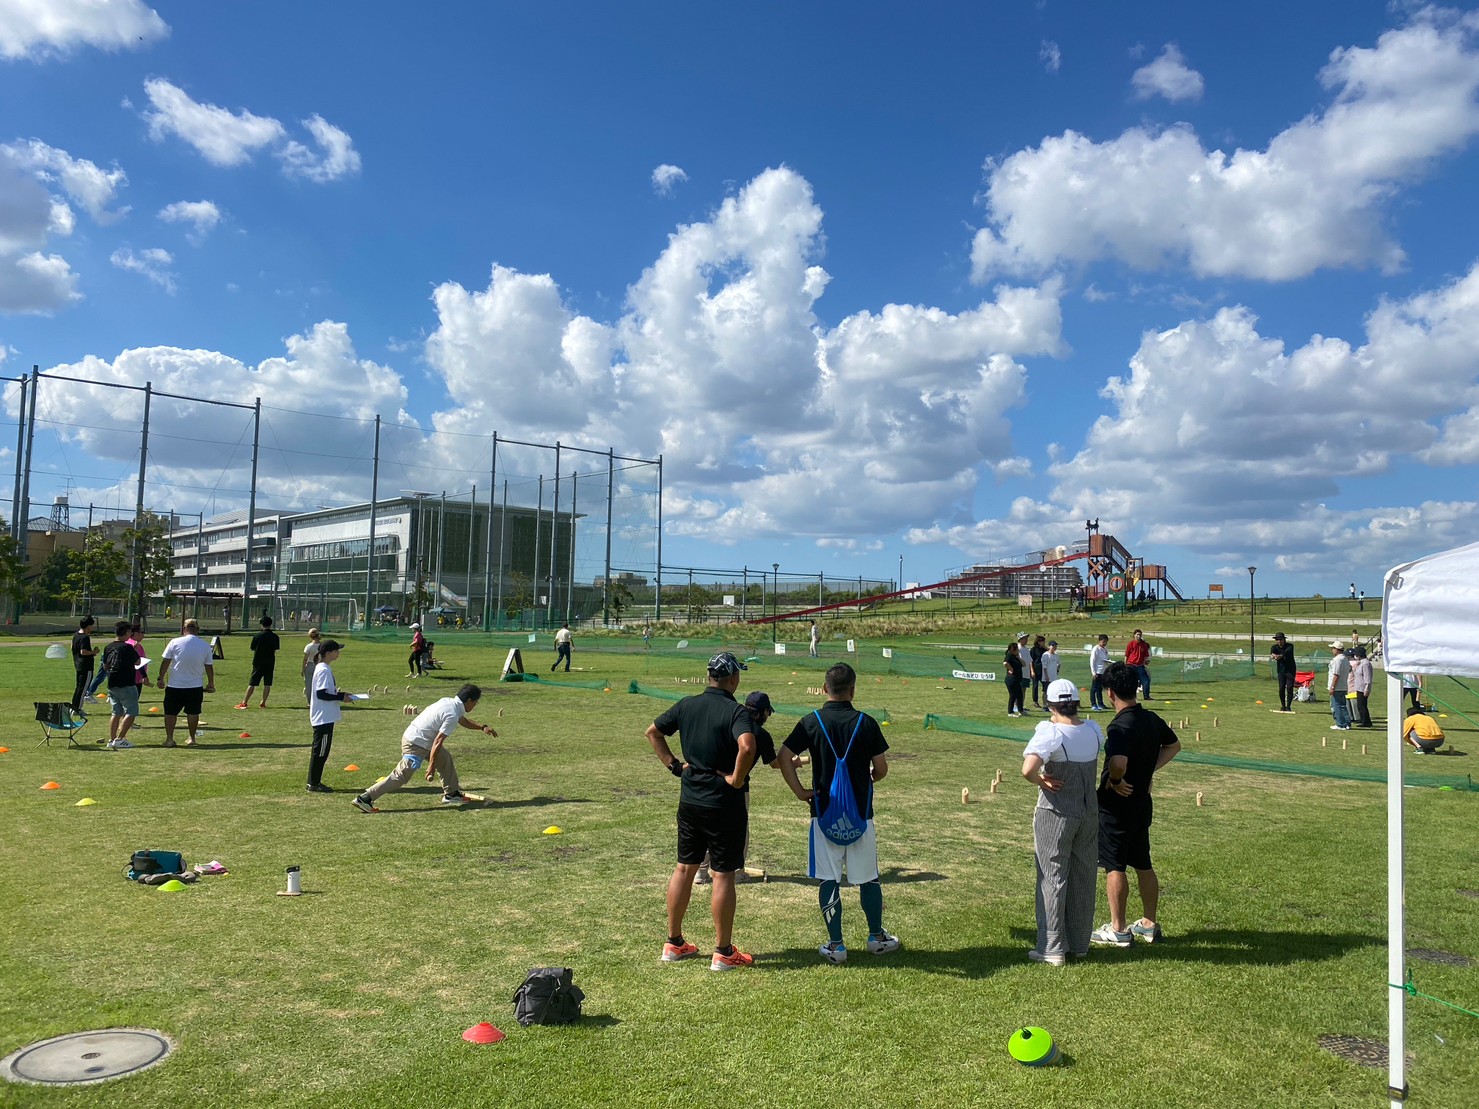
pixel 1430 614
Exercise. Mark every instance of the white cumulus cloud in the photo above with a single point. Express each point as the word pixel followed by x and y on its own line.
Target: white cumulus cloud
pixel 1313 199
pixel 152 263
pixel 1050 56
pixel 334 158
pixel 222 137
pixel 85 182
pixel 36 28
pixel 199 216
pixel 665 178
pixel 31 282
pixel 1168 77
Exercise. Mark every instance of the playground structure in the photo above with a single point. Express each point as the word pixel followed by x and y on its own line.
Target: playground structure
pixel 1111 575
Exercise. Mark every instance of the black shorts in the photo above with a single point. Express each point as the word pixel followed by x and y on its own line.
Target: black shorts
pixel 187 701
pixel 720 832
pixel 262 675
pixel 1124 840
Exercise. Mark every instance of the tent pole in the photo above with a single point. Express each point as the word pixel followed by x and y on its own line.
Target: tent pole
pixel 1396 898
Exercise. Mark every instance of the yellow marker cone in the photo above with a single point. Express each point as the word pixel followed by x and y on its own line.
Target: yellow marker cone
pixel 172 886
pixel 553 830
pixel 85 802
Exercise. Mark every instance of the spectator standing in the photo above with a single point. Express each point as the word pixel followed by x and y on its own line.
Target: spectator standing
pixel 191 662
pixel 1282 656
pixel 563 644
pixel 717 737
pixel 415 663
pixel 1034 655
pixel 1098 663
pixel 1361 677
pixel 842 740
pixel 82 661
pixel 1062 759
pixel 1015 682
pixel 1052 663
pixel 265 645
pixel 121 665
pixel 814 639
pixel 310 660
pixel 1138 744
pixel 1137 656
pixel 324 711
pixel 1337 684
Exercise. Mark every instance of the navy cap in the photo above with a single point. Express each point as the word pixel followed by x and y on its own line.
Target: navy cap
pixel 724 664
pixel 759 700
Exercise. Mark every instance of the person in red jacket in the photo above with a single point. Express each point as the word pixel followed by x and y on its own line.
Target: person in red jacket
pixel 1137 655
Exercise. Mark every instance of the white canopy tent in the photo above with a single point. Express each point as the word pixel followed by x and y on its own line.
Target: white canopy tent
pixel 1430 609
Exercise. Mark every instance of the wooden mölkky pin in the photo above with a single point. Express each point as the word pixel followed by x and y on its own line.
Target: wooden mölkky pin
pixel 1199 800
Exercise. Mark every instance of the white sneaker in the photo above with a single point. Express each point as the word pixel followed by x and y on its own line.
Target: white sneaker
pixel 119 744
pixel 834 953
pixel 883 943
pixel 1052 960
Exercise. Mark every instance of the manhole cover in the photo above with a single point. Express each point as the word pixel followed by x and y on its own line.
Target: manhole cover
pixel 1445 958
pixel 84 1057
pixel 1364 1053
pixel 1470 893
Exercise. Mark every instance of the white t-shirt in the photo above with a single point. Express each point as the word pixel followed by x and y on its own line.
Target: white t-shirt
pixel 188 656
pixel 309 651
pixel 1098 659
pixel 1053 742
pixel 563 636
pixel 319 710
pixel 1051 661
pixel 440 718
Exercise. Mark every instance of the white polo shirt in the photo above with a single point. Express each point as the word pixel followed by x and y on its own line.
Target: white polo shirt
pixel 440 718
pixel 188 656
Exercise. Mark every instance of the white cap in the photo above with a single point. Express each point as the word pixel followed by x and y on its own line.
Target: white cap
pixel 415 625
pixel 1337 643
pixel 1062 690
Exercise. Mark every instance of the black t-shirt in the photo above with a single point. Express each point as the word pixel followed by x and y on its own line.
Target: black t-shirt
pixel 81 642
pixel 1014 666
pixel 709 726
pixel 265 646
pixel 1283 656
pixel 1036 655
pixel 121 663
pixel 1138 734
pixel 765 753
pixel 840 718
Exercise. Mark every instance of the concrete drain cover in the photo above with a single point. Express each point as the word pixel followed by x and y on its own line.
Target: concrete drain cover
pixel 1470 893
pixel 81 1058
pixel 1364 1053
pixel 1443 958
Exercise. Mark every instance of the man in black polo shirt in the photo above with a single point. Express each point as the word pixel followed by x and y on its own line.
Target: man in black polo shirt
pixel 1137 744
pixel 1282 654
pixel 82 660
pixel 718 741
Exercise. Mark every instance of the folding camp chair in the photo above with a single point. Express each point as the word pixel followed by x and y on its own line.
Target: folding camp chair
pixel 57 718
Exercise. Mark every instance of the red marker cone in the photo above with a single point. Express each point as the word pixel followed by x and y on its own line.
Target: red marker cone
pixel 350 769
pixel 245 735
pixel 51 785
pixel 483 1033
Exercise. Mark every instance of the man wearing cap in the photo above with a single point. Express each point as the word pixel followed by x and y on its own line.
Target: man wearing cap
pixel 563 641
pixel 191 660
pixel 758 702
pixel 1338 679
pixel 719 748
pixel 1282 656
pixel 418 653
pixel 842 740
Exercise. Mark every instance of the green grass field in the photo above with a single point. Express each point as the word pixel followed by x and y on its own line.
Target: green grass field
pixel 422 920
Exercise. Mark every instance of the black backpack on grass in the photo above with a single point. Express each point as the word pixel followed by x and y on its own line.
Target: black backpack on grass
pixel 549 995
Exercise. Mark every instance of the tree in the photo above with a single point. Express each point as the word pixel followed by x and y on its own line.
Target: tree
pixel 149 546
pixel 51 582
pixel 518 596
pixel 12 566
pixel 99 572
pixel 621 599
pixel 696 600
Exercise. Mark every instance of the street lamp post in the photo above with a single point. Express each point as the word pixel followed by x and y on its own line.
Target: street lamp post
pixel 1252 603
pixel 775 600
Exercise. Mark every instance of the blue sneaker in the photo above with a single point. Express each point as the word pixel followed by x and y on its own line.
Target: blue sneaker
pixel 1108 937
pixel 834 952
pixel 1150 933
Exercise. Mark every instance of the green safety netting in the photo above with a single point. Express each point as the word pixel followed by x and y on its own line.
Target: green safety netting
pixel 1464 782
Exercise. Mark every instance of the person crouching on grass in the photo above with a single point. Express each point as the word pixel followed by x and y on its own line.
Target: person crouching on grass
pixel 424 742
pixel 323 713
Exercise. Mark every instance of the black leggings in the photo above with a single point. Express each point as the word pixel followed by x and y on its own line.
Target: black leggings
pixel 323 742
pixel 80 691
pixel 413 664
pixel 1016 689
pixel 1286 690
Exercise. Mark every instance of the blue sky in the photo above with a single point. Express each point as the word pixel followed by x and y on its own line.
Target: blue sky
pixel 936 281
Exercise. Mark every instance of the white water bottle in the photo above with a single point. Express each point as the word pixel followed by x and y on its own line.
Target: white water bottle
pixel 295 880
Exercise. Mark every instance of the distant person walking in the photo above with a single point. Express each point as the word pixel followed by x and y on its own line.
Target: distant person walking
pixel 82 661
pixel 310 660
pixel 1138 744
pixel 265 645
pixel 1281 654
pixel 1062 760
pixel 186 674
pixel 415 664
pixel 564 642
pixel 842 740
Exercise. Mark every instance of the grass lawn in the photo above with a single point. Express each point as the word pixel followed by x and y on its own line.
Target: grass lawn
pixel 422 920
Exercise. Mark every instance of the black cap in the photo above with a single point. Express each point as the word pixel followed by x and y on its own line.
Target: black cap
pixel 724 664
pixel 759 700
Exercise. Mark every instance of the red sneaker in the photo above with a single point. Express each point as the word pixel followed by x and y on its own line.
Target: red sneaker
pixel 674 953
pixel 731 962
pixel 242 705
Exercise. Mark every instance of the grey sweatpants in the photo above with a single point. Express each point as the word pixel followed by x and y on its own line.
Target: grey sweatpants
pixel 413 758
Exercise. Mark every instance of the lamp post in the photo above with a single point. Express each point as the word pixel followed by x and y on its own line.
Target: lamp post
pixel 1252 603
pixel 775 600
pixel 901 572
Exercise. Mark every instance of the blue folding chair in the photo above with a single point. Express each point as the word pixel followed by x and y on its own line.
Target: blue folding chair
pixel 57 718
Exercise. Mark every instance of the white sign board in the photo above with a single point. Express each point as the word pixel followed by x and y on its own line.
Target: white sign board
pixel 729 600
pixel 780 648
pixel 1024 600
pixel 852 647
pixel 973 675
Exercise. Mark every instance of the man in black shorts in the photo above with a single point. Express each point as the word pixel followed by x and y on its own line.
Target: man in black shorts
pixel 265 645
pixel 718 742
pixel 1137 744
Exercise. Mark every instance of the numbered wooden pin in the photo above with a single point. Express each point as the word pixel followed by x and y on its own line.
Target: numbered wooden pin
pixel 1199 800
pixel 965 796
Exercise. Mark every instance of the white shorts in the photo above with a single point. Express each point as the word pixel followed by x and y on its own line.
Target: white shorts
pixel 827 860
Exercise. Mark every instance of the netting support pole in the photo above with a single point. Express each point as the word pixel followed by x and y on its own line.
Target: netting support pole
pixel 488 536
pixel 534 581
pixel 472 519
pixel 135 585
pixel 374 519
pixel 502 541
pixel 20 444
pixel 554 544
pixel 657 596
pixel 23 518
pixel 610 501
pixel 570 581
pixel 251 536
pixel 1396 900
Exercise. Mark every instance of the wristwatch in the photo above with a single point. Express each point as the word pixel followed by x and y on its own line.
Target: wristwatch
pixel 676 766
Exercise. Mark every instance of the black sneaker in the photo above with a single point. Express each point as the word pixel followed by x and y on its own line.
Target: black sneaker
pixel 320 788
pixel 364 804
pixel 458 798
